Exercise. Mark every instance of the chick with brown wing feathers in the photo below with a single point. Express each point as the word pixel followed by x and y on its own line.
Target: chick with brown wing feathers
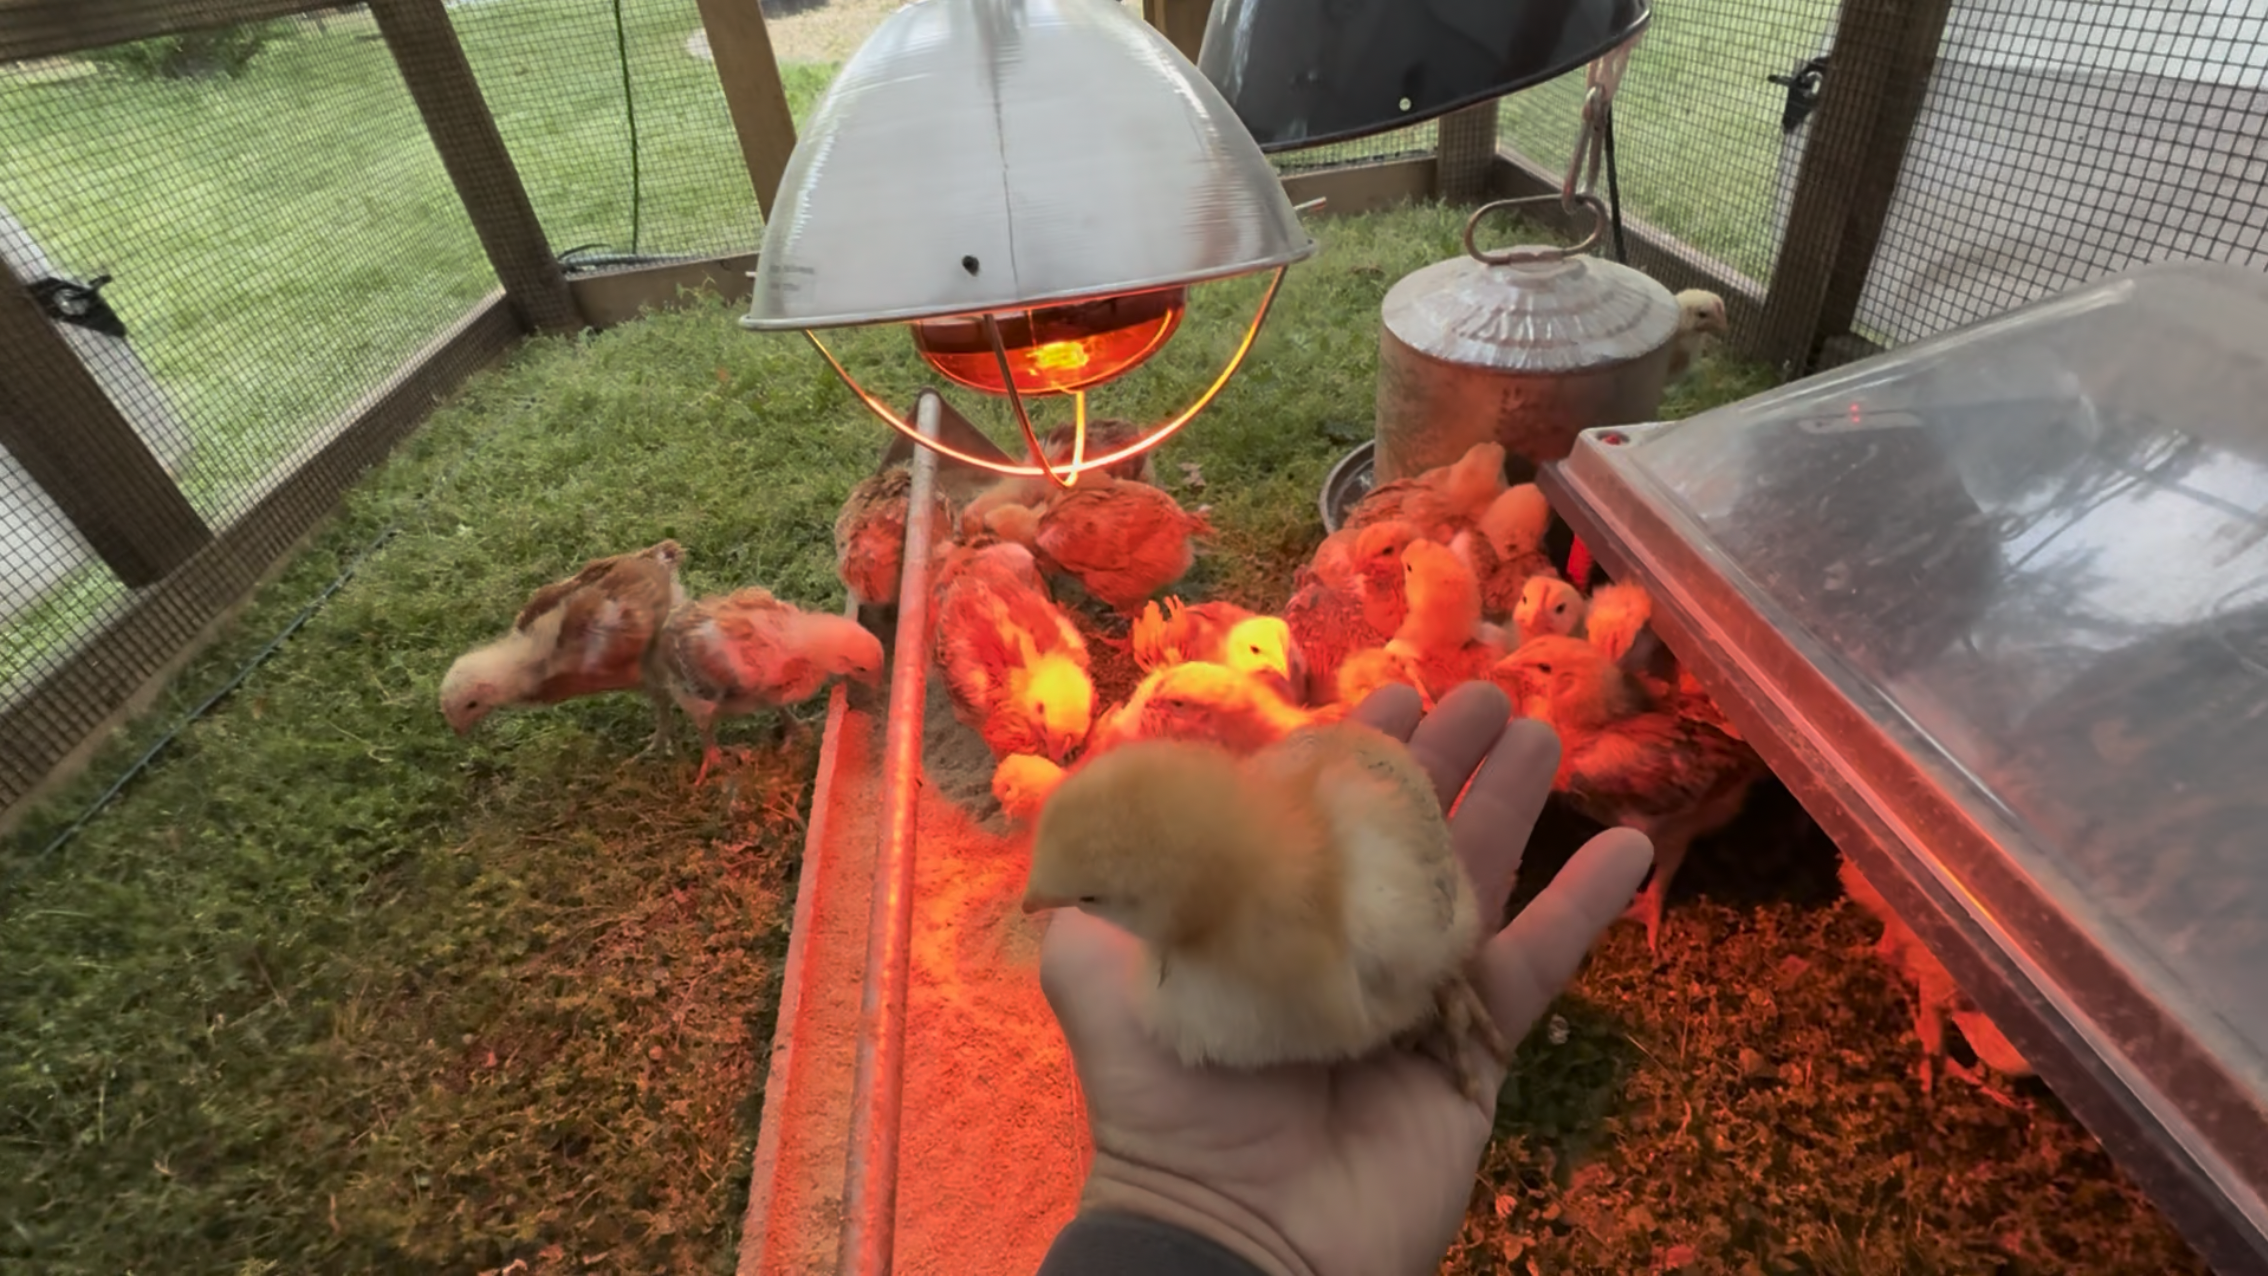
pixel 735 654
pixel 1625 761
pixel 1014 664
pixel 1700 317
pixel 1300 904
pixel 1440 502
pixel 1378 573
pixel 1122 541
pixel 1935 994
pixel 870 534
pixel 1443 633
pixel 1328 625
pixel 1104 434
pixel 579 636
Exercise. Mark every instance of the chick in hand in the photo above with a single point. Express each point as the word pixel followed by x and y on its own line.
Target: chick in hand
pixel 1442 632
pixel 1123 541
pixel 585 634
pixel 1700 316
pixel 870 534
pixel 1626 761
pixel 1300 905
pixel 1935 994
pixel 1014 664
pixel 735 654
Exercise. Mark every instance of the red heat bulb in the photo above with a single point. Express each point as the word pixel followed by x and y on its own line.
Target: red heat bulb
pixel 1054 349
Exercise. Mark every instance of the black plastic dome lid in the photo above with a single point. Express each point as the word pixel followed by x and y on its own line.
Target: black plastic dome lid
pixel 1307 72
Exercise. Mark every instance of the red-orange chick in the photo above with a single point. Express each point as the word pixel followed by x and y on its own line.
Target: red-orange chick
pixel 578 636
pixel 1624 761
pixel 1014 664
pixel 1442 633
pixel 1123 541
pixel 1367 671
pixel 1379 571
pixel 1223 634
pixel 1328 624
pixel 1441 501
pixel 1936 996
pixel 734 654
pixel 870 534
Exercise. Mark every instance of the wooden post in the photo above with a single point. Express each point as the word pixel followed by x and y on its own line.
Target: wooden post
pixel 1466 149
pixel 60 426
pixel 1914 63
pixel 750 74
pixel 441 82
pixel 1182 21
pixel 1835 159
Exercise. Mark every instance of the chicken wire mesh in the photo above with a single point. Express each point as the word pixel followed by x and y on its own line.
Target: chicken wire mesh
pixel 2061 141
pixel 1697 130
pixel 269 234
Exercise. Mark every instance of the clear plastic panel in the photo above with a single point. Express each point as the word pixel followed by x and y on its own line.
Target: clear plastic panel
pixel 2041 543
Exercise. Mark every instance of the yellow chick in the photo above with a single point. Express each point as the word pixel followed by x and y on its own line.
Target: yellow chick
pixel 1516 522
pixel 1300 905
pixel 1219 633
pixel 1442 632
pixel 1366 671
pixel 1014 664
pixel 1549 605
pixel 1616 619
pixel 738 653
pixel 1023 782
pixel 1935 993
pixel 1197 700
pixel 1700 316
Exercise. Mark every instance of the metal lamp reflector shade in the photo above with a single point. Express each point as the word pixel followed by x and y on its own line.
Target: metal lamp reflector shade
pixel 1032 184
pixel 1306 72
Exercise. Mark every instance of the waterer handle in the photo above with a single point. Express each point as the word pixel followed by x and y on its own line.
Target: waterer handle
pixel 1531 253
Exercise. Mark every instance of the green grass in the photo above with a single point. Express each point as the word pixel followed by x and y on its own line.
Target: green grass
pixel 332 990
pixel 1697 125
pixel 282 242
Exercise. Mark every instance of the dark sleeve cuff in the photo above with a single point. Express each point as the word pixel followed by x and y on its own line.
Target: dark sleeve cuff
pixel 1105 1244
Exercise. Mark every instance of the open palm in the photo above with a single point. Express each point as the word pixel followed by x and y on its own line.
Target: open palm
pixel 1363 1167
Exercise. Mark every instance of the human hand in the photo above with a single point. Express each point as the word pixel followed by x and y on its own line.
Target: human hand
pixel 1362 1168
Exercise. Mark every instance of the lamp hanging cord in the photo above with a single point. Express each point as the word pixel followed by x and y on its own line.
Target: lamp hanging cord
pixel 1613 183
pixel 630 114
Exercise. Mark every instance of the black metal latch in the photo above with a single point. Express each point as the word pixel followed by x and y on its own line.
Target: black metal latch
pixel 1803 87
pixel 81 304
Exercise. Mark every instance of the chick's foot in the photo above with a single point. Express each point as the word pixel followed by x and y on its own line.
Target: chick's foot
pixel 1461 1020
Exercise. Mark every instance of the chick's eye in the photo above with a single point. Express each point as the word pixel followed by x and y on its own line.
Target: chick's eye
pixel 1089 899
pixel 1543 668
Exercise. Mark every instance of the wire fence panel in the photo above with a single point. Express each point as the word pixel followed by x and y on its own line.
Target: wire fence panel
pixel 617 125
pixel 2064 140
pixel 1697 126
pixel 278 237
pixel 1403 143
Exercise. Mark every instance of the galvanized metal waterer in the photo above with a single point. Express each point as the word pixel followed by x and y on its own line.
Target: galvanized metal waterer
pixel 1527 345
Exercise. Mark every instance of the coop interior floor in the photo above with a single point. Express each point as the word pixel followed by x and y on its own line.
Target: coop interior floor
pixel 331 989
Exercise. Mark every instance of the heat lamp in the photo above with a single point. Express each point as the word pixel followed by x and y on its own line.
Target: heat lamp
pixel 1031 187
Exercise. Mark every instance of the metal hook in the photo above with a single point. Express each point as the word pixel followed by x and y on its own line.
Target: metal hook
pixel 1023 418
pixel 1517 256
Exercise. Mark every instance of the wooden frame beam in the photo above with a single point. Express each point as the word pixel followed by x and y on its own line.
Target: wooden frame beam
pixel 56 725
pixel 750 73
pixel 60 425
pixel 1913 66
pixel 441 82
pixel 1364 188
pixel 1466 151
pixel 1839 168
pixel 618 296
pixel 1182 22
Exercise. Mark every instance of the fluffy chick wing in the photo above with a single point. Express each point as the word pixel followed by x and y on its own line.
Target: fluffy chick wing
pixel 608 615
pixel 1124 541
